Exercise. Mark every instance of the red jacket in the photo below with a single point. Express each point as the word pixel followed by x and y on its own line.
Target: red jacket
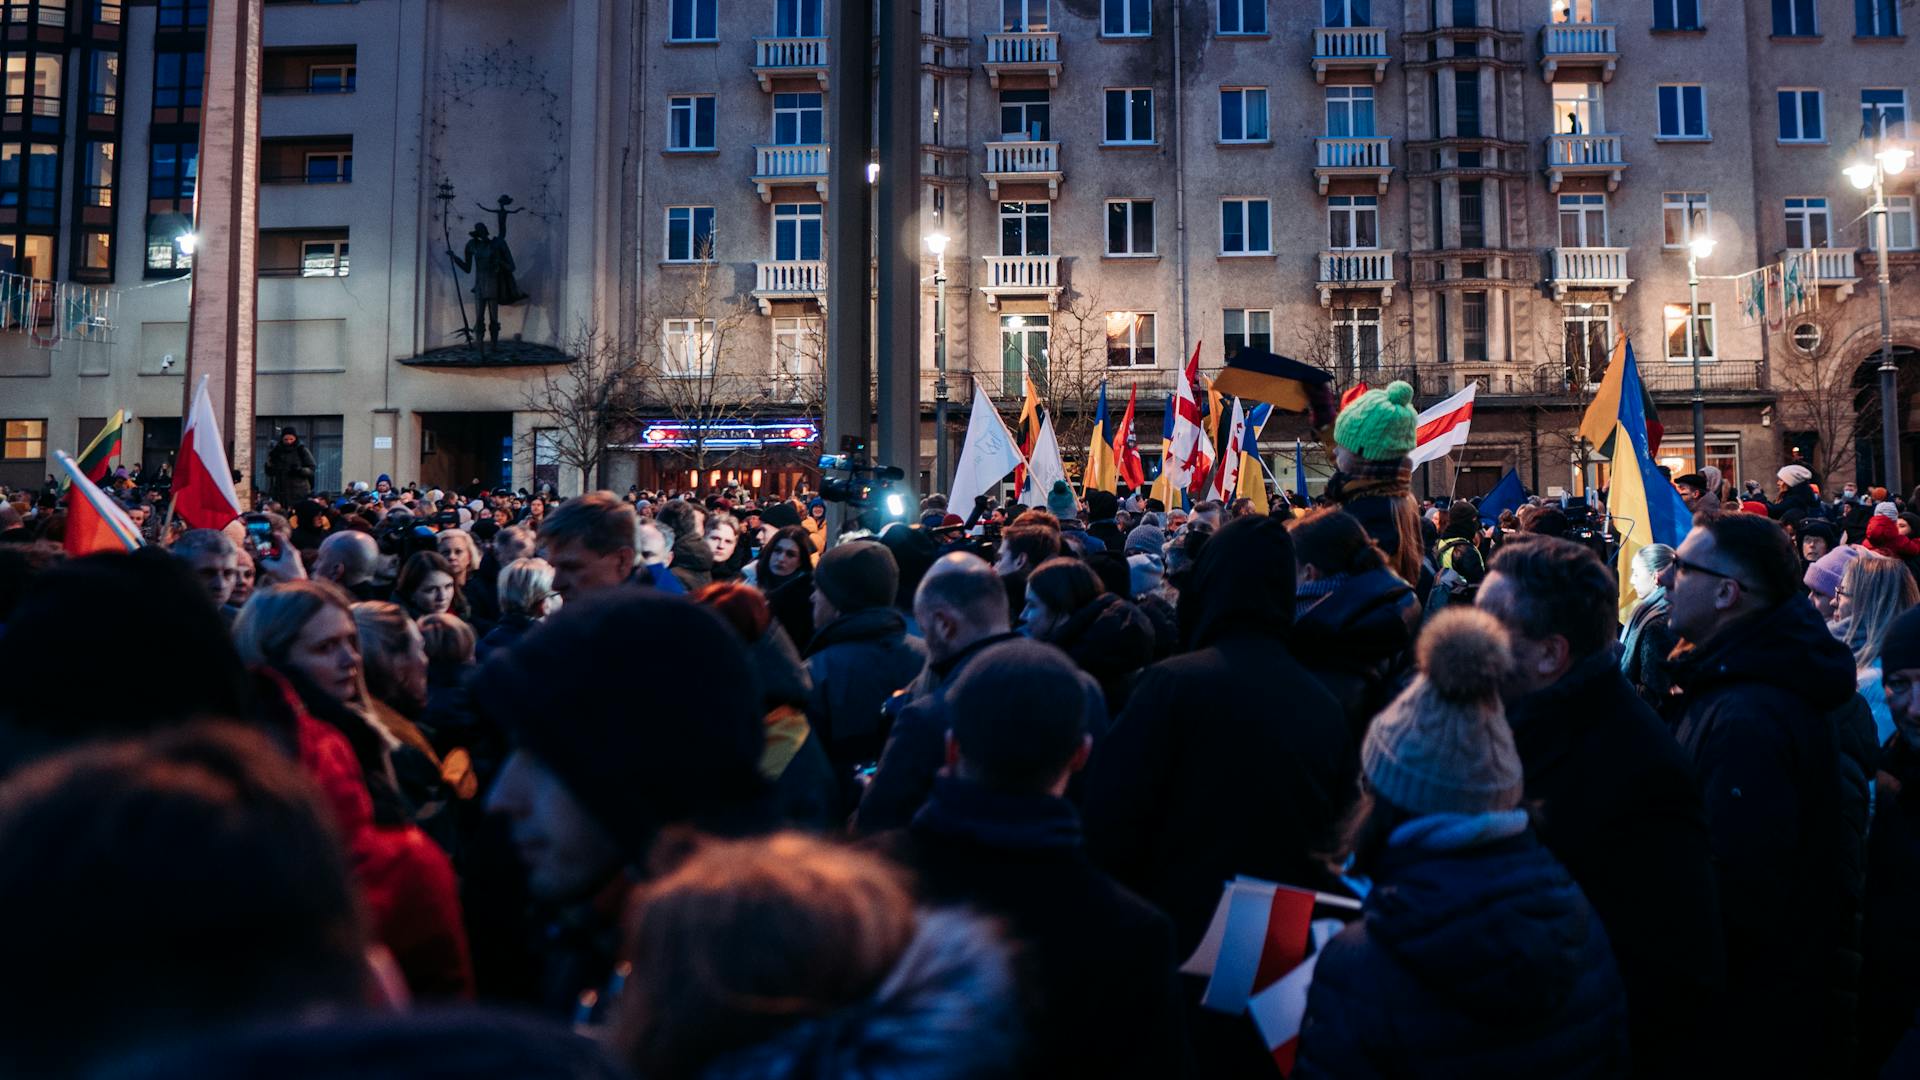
pixel 1883 537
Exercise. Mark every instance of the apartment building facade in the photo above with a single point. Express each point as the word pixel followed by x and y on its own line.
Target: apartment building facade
pixel 1447 191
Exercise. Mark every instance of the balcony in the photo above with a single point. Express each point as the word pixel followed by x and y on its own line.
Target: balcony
pixel 1590 268
pixel 1022 275
pixel 1349 48
pixel 1716 376
pixel 1022 162
pixel 789 166
pixel 789 281
pixel 790 58
pixel 1023 54
pixel 1832 267
pixel 1364 159
pixel 1356 270
pixel 1584 155
pixel 1578 45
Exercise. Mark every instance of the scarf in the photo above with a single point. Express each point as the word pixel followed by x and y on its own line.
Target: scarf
pixel 1364 478
pixel 1308 593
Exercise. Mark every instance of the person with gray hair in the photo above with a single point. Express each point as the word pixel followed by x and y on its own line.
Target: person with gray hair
pixel 348 559
pixel 526 597
pixel 214 560
pixel 654 542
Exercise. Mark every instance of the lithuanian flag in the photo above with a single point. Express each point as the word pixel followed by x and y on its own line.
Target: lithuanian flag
pixel 97 458
pixel 95 523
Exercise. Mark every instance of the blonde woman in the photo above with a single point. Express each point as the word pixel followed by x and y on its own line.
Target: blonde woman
pixel 1874 591
pixel 463 556
pixel 1646 640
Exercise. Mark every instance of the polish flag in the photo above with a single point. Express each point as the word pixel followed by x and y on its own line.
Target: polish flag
pixel 1192 457
pixel 1444 427
pixel 203 494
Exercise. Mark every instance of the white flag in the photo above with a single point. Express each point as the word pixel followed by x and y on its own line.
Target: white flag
pixel 988 456
pixel 1228 480
pixel 1044 466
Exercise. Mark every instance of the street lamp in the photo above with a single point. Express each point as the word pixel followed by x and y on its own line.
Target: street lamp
pixel 1698 248
pixel 1887 160
pixel 937 243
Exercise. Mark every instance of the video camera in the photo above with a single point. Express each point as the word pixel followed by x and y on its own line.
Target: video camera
pixel 866 486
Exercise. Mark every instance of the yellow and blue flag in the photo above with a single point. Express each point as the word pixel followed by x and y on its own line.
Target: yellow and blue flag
pixel 1645 507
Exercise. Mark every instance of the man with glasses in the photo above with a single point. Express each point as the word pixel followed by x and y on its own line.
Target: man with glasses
pixel 1767 712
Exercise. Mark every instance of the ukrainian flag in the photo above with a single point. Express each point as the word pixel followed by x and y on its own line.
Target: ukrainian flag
pixel 1253 474
pixel 1102 470
pixel 1163 488
pixel 1645 507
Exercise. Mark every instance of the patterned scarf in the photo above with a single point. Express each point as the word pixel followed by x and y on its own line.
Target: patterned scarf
pixel 1308 593
pixel 1363 478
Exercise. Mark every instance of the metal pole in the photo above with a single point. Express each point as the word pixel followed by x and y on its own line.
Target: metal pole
pixel 849 232
pixel 899 250
pixel 940 388
pixel 1693 358
pixel 1889 372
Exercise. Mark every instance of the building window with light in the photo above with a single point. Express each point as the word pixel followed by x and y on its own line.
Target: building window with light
pixel 693 20
pixel 1026 115
pixel 1126 18
pixel 1023 16
pixel 1247 328
pixel 103 83
pixel 1024 341
pixel 1587 338
pixel 1578 11
pixel 1243 16
pixel 1130 227
pixel 1245 227
pixel 1802 118
pixel 323 258
pixel 1243 114
pixel 689 234
pixel 1680 211
pixel 96 181
pixel 1129 339
pixel 1808 225
pixel 1676 319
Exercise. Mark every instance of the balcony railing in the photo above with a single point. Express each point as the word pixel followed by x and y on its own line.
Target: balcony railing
pixel 1831 266
pixel 1598 155
pixel 1356 270
pixel 1349 47
pixel 1032 52
pixel 789 57
pixel 1023 160
pixel 1578 43
pixel 1012 275
pixel 1590 268
pixel 1353 157
pixel 801 280
pixel 1676 376
pixel 774 166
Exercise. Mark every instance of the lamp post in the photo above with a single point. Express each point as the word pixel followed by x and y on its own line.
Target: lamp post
pixel 1886 160
pixel 1698 248
pixel 937 243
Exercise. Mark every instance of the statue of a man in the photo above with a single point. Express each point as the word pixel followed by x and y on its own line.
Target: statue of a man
pixel 490 262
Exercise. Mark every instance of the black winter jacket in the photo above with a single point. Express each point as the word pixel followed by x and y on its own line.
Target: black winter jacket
pixel 1889 993
pixel 856 663
pixel 1355 641
pixel 290 471
pixel 1110 639
pixel 1477 962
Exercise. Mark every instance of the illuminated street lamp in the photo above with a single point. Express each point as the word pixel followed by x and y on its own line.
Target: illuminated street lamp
pixel 1886 159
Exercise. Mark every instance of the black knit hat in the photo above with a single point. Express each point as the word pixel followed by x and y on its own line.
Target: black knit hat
pixel 857 575
pixel 1019 712
pixel 644 705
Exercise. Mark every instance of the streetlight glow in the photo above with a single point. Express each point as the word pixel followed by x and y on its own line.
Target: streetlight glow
pixel 1702 246
pixel 1860 175
pixel 1894 159
pixel 186 242
pixel 937 243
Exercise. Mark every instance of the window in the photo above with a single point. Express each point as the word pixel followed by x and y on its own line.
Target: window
pixel 1023 347
pixel 164 254
pixel 796 232
pixel 1350 112
pixel 1583 221
pixel 1130 115
pixel 1683 211
pixel 1026 115
pixel 96 252
pixel 106 12
pixel 1356 341
pixel 690 123
pixel 796 345
pixel 1676 318
pixel 1243 16
pixel 1900 223
pixel 1353 221
pixel 1126 18
pixel 332 78
pixel 178 79
pixel 1129 339
pixel 796 18
pixel 1024 228
pixel 103 83
pixel 34 87
pixel 171 170
pixel 688 348
pixel 1808 225
pixel 1473 326
pixel 1580 11
pixel 1795 18
pixel 1346 13
pixel 1676 14
pixel 798 120
pixel 330 167
pixel 1130 227
pixel 1884 112
pixel 1576 108
pixel 1800 117
pixel 1587 337
pixel 1247 328
pixel 96 182
pixel 1683 112
pixel 694 20
pixel 40 166
pixel 1466 104
pixel 1243 114
pixel 1473 214
pixel 26 440
pixel 689 234
pixel 1466 13
pixel 1243 227
pixel 52 12
pixel 1023 16
pixel 1876 18
pixel 323 258
pixel 182 14
pixel 1807 337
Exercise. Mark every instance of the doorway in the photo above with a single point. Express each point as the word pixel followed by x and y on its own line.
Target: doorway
pixel 466 452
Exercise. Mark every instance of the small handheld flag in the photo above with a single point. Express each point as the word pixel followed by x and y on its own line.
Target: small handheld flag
pixel 95 523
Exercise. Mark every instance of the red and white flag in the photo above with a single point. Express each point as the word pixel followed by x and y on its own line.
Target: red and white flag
pixel 1227 481
pixel 1192 450
pixel 203 494
pixel 1443 428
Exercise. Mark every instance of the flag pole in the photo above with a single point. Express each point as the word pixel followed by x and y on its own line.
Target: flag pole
pixel 1455 484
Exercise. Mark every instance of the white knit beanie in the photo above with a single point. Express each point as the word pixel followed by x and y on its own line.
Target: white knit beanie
pixel 1443 746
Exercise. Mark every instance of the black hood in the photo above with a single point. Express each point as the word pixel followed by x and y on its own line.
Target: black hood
pixel 1370 617
pixel 1108 639
pixel 1788 647
pixel 1241 586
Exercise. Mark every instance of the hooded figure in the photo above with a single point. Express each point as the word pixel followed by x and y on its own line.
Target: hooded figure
pixel 290 469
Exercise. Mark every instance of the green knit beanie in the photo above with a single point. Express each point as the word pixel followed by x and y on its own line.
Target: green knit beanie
pixel 1379 425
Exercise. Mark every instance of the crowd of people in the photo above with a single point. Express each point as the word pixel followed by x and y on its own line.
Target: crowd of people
pixel 493 784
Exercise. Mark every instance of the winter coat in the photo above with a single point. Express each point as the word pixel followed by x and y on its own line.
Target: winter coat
pixel 947 1011
pixel 1890 936
pixel 857 662
pixel 1648 640
pixel 290 471
pixel 1110 639
pixel 508 630
pixel 1615 803
pixel 692 562
pixel 791 602
pixel 1108 533
pixel 1355 641
pixel 482 602
pixel 1766 711
pixel 806 792
pixel 1166 628
pixel 916 748
pixel 1795 503
pixel 1093 959
pixel 1481 960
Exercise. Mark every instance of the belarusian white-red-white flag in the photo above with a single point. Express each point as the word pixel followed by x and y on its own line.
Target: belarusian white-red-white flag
pixel 203 494
pixel 1192 450
pixel 1443 428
